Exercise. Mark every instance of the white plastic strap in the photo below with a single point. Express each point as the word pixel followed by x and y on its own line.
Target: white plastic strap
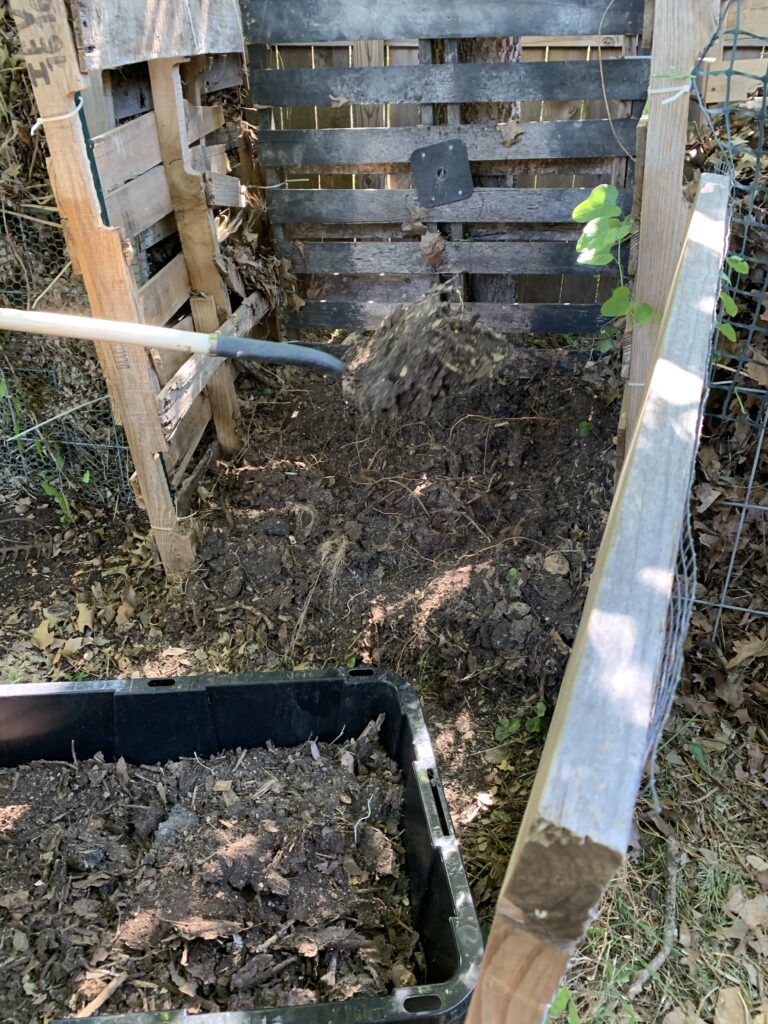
pixel 41 121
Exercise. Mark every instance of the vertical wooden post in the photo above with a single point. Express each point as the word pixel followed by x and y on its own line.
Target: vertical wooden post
pixel 369 53
pixel 681 29
pixel 97 254
pixel 197 231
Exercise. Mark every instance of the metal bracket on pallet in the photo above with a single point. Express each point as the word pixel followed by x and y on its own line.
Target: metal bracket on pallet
pixel 441 173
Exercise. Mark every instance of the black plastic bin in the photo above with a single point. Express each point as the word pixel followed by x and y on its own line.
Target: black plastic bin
pixel 152 720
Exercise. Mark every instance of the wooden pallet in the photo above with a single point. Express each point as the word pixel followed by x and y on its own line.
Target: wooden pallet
pixel 136 169
pixel 353 245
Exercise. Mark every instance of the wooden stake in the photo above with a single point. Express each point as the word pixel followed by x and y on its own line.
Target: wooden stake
pixel 681 29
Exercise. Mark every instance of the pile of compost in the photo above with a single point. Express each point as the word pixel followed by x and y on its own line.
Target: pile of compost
pixel 255 878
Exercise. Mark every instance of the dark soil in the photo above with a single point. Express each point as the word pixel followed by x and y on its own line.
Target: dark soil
pixel 256 878
pixel 455 549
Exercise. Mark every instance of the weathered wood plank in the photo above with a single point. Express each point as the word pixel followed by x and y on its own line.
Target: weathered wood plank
pixel 681 30
pixel 110 33
pixel 398 206
pixel 468 257
pixel 165 292
pixel 140 203
pixel 223 190
pixel 553 140
pixel 452 83
pixel 274 21
pixel 532 318
pixel 185 438
pixel 131 149
pixel 579 817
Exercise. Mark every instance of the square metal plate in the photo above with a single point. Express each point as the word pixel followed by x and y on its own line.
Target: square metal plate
pixel 441 173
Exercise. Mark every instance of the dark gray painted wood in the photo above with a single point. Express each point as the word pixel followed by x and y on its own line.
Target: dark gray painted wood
pixel 548 140
pixel 326 21
pixel 533 318
pixel 398 206
pixel 453 83
pixel 458 257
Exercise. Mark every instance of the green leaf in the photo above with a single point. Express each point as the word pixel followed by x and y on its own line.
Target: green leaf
pixel 737 264
pixel 585 428
pixel 351 662
pixel 618 303
pixel 605 345
pixel 560 1002
pixel 729 305
pixel 601 203
pixel 643 313
pixel 698 756
pixel 727 330
pixel 573 1016
pixel 49 489
pixel 87 476
pixel 512 573
pixel 541 708
pixel 3 388
pixel 594 258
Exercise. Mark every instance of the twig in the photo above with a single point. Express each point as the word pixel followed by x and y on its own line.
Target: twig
pixel 50 284
pixel 642 978
pixel 58 416
pixel 602 82
pixel 361 820
pixel 99 1000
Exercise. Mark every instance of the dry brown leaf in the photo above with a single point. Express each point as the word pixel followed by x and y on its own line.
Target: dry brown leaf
pixel 20 941
pixel 205 927
pixel 730 1007
pixel 754 912
pixel 706 495
pixel 432 247
pixel 84 617
pixel 42 636
pixel 679 1016
pixel 746 650
pixel 731 691
pixel 557 564
pixel 510 132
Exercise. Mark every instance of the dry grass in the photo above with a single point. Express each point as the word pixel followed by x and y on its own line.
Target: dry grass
pixel 717 966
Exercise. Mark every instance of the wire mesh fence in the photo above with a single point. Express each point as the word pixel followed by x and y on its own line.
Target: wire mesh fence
pixel 731 83
pixel 722 568
pixel 57 434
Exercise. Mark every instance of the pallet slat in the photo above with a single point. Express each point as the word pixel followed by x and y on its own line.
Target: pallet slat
pixel 166 292
pixel 125 152
pixel 274 21
pixel 176 398
pixel 468 257
pixel 397 206
pixel 549 140
pixel 110 33
pixel 534 318
pixel 452 83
